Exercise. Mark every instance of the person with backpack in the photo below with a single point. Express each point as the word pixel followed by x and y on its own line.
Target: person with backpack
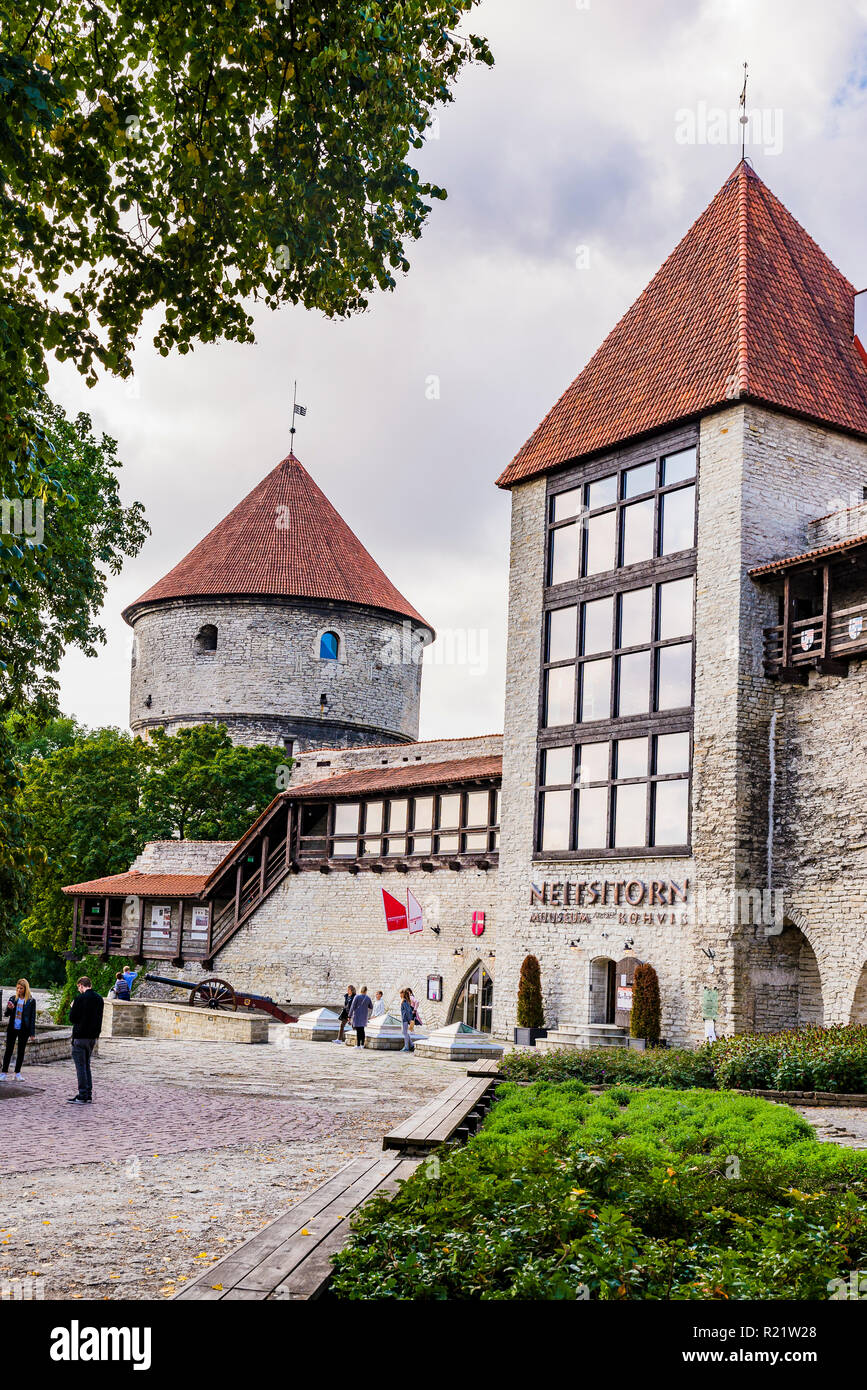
pixel 21 1025
pixel 359 1013
pixel 120 988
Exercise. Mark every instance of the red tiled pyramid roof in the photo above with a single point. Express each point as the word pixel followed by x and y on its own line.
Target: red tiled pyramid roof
pixel 747 306
pixel 376 779
pixel 286 539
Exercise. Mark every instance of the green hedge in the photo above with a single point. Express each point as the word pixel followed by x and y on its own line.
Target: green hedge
pixel 628 1195
pixel 811 1059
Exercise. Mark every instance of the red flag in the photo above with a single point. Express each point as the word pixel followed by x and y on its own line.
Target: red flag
pixel 395 912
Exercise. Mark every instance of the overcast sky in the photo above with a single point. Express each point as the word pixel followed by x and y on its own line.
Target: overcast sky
pixel 573 140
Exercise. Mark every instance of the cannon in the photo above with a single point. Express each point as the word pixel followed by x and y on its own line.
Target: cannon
pixel 214 993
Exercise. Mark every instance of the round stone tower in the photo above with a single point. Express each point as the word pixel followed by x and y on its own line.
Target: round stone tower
pixel 281 626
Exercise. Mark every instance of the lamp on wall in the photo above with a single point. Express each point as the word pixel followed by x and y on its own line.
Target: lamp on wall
pixel 435 930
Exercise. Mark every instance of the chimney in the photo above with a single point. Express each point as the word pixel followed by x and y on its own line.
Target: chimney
pixel 861 324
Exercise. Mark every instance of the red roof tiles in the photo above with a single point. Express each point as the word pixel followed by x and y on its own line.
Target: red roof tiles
pixel 387 779
pixel 286 539
pixel 746 307
pixel 144 885
pixel 806 557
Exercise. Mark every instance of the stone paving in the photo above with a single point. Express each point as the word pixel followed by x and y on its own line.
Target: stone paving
pixel 188 1149
pixel 846 1125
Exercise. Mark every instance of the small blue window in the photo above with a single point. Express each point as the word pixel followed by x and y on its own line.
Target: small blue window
pixel 329 646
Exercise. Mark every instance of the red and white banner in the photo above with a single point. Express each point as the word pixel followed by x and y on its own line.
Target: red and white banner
pixel 395 912
pixel 414 912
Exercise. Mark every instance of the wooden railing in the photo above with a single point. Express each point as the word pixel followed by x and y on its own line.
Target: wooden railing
pixel 805 639
pixel 257 887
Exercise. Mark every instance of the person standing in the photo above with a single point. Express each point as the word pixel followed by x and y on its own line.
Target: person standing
pixel 406 1019
pixel 359 1014
pixel 130 976
pixel 120 988
pixel 86 1017
pixel 378 1005
pixel 344 1012
pixel 21 1025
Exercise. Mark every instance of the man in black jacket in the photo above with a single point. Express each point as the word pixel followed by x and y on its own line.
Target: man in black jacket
pixel 86 1017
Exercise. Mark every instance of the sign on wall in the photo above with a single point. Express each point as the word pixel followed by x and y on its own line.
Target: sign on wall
pixel 199 927
pixel 435 988
pixel 395 912
pixel 161 921
pixel 478 924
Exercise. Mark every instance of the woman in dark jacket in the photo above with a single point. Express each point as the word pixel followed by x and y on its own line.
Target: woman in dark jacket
pixel 20 1025
pixel 407 1019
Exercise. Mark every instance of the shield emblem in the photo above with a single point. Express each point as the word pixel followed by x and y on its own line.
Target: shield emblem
pixel 856 627
pixel 808 637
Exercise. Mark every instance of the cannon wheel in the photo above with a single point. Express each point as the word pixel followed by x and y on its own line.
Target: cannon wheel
pixel 214 994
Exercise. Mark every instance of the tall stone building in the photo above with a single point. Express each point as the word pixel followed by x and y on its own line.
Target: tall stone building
pixel 680 779
pixel 281 626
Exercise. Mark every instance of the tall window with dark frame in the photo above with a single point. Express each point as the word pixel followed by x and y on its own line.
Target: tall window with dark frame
pixel 615 734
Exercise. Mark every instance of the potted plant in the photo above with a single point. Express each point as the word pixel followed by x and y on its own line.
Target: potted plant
pixel 644 1022
pixel 531 1016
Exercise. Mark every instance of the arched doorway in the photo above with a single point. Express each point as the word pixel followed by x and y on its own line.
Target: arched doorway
pixel 603 982
pixel 475 1000
pixel 780 983
pixel 859 1003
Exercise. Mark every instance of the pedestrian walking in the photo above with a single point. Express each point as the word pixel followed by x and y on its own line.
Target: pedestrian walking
pixel 378 1005
pixel 86 1017
pixel 344 1012
pixel 359 1013
pixel 21 1025
pixel 416 1011
pixel 406 1020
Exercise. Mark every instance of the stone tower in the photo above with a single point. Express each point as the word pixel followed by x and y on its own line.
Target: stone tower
pixel 281 626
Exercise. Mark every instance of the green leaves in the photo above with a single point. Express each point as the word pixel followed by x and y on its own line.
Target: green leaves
pixel 91 800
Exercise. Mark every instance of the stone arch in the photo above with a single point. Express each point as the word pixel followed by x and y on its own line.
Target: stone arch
pixel 206 638
pixel 858 1012
pixel 602 972
pixel 780 984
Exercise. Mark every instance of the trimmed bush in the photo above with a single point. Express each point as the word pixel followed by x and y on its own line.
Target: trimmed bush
pixel 809 1059
pixel 630 1195
pixel 646 1013
pixel 530 1012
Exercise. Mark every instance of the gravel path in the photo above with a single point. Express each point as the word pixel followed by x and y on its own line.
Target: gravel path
pixel 188 1149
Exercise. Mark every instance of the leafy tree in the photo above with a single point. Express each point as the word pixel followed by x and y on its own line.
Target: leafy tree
pixel 91 807
pixel 200 786
pixel 22 959
pixel 189 158
pixel 530 1011
pixel 645 1018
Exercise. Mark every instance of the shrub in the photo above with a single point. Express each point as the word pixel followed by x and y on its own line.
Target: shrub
pixel 530 1012
pixel 603 1066
pixel 646 1009
pixel 631 1194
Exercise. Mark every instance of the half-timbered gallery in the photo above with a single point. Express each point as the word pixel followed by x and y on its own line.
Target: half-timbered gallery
pixel 680 774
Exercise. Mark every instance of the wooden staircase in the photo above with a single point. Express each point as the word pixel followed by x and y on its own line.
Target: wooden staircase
pixel 254 892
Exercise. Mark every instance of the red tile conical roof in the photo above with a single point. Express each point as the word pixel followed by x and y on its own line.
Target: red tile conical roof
pixel 746 307
pixel 284 539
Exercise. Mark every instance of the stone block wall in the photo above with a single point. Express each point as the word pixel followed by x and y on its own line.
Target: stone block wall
pixel 265 679
pixel 838 526
pixel 317 933
pixel 329 762
pixel 182 856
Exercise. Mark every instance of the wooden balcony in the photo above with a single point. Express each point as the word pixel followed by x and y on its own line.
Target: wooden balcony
pixel 792 649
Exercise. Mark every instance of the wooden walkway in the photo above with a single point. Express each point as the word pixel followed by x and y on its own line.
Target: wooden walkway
pixel 460 1107
pixel 291 1257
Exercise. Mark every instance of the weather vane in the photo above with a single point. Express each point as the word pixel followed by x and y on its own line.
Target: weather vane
pixel 745 120
pixel 296 410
